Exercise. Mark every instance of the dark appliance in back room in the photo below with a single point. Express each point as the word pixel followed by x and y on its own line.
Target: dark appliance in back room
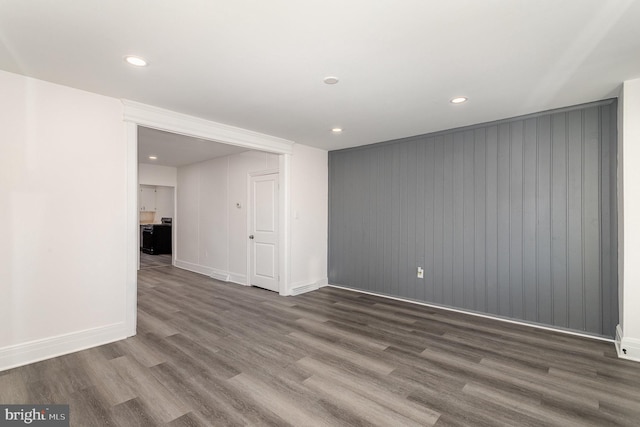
pixel 156 238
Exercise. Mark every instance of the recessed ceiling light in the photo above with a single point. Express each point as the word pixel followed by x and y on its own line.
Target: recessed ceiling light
pixel 135 60
pixel 331 80
pixel 336 130
pixel 458 100
pixel 153 157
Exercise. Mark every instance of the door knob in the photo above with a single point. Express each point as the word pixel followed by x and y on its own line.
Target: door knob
pixel 251 236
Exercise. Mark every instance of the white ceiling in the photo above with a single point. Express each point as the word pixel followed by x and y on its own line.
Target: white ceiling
pixel 259 65
pixel 178 150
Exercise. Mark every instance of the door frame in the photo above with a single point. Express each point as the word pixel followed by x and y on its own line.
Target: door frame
pixel 250 212
pixel 138 114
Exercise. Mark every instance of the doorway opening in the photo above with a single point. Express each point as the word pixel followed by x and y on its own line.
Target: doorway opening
pixel 141 119
pixel 156 205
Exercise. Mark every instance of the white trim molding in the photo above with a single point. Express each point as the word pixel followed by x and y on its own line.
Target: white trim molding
pixel 47 348
pixel 473 313
pixel 214 273
pixel 132 229
pixel 238 279
pixel 137 114
pixel 284 218
pixel 627 348
pixel 171 121
pixel 201 269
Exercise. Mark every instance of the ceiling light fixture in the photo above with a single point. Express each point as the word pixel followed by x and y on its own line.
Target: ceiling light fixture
pixel 153 157
pixel 331 80
pixel 458 100
pixel 135 60
pixel 336 130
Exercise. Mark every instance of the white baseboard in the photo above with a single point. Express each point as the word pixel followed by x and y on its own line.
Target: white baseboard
pixel 627 348
pixel 196 268
pixel 201 269
pixel 303 287
pixel 47 348
pixel 474 313
pixel 239 279
pixel 224 276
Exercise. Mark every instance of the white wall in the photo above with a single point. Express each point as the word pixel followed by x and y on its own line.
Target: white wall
pixel 309 216
pixel 157 175
pixel 62 277
pixel 187 209
pixel 212 231
pixel 164 203
pixel 629 220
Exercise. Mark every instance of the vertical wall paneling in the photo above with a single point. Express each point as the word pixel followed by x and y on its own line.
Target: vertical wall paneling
pixel 438 220
pixel 491 208
pixel 608 202
pixel 575 161
pixel 379 223
pixel 543 220
pixel 516 166
pixel 429 166
pixel 480 218
pixel 369 242
pixel 591 220
pixel 468 219
pixel 559 227
pixel 457 271
pixel 529 225
pixel 412 212
pixel 613 212
pixel 504 220
pixel 447 219
pixel 515 218
pixel 420 219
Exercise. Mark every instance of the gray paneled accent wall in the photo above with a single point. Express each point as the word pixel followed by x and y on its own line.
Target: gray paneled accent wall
pixel 515 218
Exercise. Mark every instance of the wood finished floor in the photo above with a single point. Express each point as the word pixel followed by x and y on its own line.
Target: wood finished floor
pixel 153 261
pixel 209 353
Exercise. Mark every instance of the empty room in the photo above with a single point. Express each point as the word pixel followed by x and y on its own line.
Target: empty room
pixel 315 213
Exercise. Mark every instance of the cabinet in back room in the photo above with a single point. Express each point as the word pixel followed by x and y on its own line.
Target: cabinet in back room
pixel 147 199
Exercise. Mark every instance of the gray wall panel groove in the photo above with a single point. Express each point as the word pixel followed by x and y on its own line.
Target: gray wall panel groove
pixel 515 218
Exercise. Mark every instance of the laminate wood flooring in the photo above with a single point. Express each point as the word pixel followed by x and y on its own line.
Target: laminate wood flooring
pixel 213 354
pixel 153 261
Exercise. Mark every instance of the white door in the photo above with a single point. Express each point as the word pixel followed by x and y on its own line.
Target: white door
pixel 263 232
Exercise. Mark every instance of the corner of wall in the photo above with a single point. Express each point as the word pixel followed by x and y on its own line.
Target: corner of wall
pixel 309 219
pixel 304 287
pixel 620 197
pixel 626 347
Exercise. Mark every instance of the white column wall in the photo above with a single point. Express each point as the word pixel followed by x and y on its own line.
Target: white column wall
pixel 187 217
pixel 628 336
pixel 309 217
pixel 63 164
